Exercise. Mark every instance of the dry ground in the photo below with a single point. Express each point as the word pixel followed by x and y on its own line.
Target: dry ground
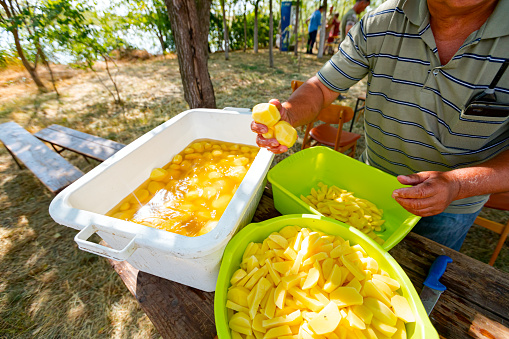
pixel 49 288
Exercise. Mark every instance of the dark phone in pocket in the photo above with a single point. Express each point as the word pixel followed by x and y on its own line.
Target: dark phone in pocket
pixel 487 109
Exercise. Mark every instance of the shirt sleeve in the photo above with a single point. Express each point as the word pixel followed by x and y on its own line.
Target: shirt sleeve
pixel 351 19
pixel 349 64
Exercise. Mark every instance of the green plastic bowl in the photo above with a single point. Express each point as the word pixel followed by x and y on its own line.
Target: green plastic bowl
pixel 257 232
pixel 303 170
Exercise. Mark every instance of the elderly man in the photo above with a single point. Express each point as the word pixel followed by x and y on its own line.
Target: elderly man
pixel 425 61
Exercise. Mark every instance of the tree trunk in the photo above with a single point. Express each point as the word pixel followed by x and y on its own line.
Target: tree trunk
pixel 296 50
pixel 255 38
pixel 161 41
pixel 46 63
pixel 322 31
pixel 271 34
pixel 225 32
pixel 31 70
pixel 190 22
pixel 245 26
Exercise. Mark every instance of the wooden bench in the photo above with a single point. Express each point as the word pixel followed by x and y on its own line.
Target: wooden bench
pixel 50 168
pixel 90 146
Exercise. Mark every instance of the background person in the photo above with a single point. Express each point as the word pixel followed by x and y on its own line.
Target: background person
pixel 314 22
pixel 424 62
pixel 351 17
pixel 333 27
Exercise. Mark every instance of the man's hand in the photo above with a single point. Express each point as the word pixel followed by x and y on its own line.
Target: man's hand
pixel 271 144
pixel 431 194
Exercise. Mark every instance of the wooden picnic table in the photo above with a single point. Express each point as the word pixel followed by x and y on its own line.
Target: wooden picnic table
pixel 90 146
pixel 475 304
pixel 50 168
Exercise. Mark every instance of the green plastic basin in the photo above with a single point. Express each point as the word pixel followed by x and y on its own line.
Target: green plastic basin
pixel 257 232
pixel 303 170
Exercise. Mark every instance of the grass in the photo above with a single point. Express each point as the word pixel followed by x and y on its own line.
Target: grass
pixel 49 288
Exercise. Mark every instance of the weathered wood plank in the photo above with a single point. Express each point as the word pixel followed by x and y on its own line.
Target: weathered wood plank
pixel 477 297
pixel 50 168
pixel 455 317
pixel 177 311
pixel 89 137
pixel 472 280
pixel 82 143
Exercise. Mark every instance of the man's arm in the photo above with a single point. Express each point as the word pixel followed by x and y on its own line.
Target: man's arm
pixel 301 108
pixel 433 191
pixel 342 71
pixel 349 26
pixel 306 102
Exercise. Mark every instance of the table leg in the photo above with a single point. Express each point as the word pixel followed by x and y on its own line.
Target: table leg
pixel 354 114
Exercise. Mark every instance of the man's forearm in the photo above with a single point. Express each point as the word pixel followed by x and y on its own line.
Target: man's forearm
pixel 307 101
pixel 489 177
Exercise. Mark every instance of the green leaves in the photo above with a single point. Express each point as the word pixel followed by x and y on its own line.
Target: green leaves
pixel 148 16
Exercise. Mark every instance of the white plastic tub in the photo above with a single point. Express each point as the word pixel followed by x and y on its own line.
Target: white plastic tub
pixel 193 261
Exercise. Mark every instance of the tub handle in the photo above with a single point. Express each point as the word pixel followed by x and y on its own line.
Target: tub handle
pixel 110 253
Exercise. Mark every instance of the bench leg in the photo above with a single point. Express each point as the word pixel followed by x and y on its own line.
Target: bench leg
pixel 59 151
pixel 56 149
pixel 14 157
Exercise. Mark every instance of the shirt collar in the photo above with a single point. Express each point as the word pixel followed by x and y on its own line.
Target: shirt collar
pixel 496 26
pixel 416 11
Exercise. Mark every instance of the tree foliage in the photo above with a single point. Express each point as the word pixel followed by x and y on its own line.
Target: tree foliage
pixel 149 16
pixel 84 35
pixel 22 21
pixel 236 31
pixel 44 28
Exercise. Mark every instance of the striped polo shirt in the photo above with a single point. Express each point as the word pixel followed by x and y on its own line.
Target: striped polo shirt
pixel 413 118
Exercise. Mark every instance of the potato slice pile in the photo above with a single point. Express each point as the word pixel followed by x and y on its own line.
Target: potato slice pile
pixel 304 284
pixel 339 204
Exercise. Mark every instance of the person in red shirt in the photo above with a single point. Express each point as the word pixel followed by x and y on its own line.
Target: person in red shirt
pixel 333 27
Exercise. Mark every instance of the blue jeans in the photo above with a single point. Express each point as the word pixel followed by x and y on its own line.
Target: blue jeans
pixel 447 229
pixel 311 41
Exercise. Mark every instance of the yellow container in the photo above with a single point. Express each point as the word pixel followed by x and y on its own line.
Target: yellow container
pixel 257 232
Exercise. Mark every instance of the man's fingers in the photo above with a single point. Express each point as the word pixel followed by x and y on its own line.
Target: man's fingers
pixel 417 204
pixel 276 103
pixel 259 128
pixel 278 150
pixel 426 212
pixel 413 179
pixel 271 144
pixel 421 207
pixel 419 191
pixel 267 143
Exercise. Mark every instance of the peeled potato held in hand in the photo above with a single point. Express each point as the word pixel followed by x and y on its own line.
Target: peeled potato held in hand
pixel 270 133
pixel 268 115
pixel 285 133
